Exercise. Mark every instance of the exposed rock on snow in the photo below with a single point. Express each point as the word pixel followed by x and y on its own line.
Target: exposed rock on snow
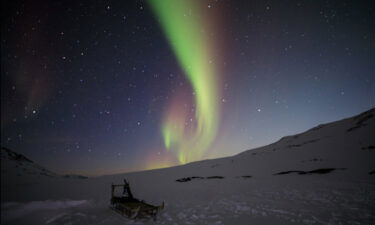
pixel 186 179
pixel 317 171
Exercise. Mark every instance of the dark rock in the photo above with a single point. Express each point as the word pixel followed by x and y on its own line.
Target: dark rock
pixel 215 177
pixel 371 147
pixel 317 171
pixel 290 171
pixel 321 171
pixel 361 119
pixel 15 156
pixel 303 143
pixel 186 179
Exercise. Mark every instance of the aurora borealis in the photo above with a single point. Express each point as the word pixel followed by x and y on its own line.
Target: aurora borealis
pixel 184 30
pixel 100 87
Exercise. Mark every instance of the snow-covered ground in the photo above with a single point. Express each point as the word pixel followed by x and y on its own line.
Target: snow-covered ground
pixel 281 183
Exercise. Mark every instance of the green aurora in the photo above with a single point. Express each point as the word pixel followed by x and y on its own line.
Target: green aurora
pixel 184 31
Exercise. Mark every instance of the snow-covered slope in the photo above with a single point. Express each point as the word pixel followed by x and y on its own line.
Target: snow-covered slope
pixel 18 170
pixel 15 165
pixel 348 145
pixel 322 176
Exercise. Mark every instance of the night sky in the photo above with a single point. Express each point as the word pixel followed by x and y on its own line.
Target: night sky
pixel 98 87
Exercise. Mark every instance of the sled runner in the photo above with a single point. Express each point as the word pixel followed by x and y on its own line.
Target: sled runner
pixel 131 207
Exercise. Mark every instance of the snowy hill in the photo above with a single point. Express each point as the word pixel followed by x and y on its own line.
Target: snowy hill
pixel 17 165
pixel 348 145
pixel 16 169
pixel 322 176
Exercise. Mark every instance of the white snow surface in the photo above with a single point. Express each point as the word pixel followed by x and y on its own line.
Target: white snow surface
pixel 346 195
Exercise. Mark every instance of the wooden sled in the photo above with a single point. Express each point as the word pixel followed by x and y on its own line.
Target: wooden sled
pixel 130 207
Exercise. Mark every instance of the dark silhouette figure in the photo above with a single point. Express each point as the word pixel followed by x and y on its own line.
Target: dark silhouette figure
pixel 127 192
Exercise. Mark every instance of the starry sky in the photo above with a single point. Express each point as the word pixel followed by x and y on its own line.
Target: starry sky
pixel 101 87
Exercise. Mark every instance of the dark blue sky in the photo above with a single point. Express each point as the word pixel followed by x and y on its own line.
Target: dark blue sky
pixel 84 85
